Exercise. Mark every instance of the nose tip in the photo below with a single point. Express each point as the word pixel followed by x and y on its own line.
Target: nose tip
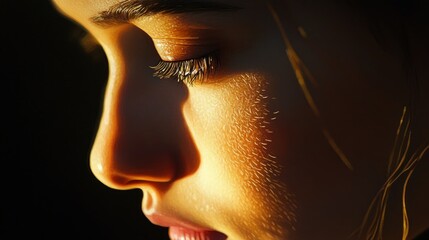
pixel 120 166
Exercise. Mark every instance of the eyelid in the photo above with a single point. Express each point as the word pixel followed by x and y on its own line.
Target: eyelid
pixel 188 71
pixel 183 49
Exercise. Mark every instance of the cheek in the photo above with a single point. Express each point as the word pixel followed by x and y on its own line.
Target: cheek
pixel 231 124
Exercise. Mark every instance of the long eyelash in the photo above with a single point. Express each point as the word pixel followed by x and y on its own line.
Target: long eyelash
pixel 187 71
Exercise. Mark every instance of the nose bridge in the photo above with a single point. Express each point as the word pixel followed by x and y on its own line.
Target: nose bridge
pixel 142 137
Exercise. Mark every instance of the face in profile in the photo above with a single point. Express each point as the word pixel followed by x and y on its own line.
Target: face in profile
pixel 243 119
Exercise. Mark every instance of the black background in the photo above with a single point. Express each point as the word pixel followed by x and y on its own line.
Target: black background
pixel 51 96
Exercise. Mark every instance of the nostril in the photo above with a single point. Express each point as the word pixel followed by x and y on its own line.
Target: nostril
pixel 143 166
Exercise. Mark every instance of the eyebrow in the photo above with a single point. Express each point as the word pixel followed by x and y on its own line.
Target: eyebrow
pixel 128 10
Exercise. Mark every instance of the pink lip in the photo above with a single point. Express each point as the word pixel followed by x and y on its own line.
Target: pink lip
pixel 183 230
pixel 178 233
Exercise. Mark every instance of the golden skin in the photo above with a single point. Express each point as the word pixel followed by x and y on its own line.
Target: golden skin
pixel 242 153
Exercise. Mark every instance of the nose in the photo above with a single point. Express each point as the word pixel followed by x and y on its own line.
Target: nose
pixel 142 137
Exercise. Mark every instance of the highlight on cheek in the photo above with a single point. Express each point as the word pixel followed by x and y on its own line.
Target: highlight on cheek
pixel 252 149
pixel 238 114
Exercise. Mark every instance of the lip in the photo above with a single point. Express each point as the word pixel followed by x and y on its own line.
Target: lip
pixel 178 233
pixel 183 230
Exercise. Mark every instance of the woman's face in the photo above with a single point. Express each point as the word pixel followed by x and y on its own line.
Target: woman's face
pixel 236 147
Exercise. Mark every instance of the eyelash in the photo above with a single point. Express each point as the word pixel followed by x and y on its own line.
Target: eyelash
pixel 187 71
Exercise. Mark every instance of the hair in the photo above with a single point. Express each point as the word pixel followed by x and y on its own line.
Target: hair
pixel 390 22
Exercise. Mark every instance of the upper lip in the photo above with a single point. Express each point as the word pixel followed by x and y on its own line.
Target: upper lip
pixel 167 221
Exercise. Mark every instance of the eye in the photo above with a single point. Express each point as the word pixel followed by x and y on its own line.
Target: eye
pixel 188 71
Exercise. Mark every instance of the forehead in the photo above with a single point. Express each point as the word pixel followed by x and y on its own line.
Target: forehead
pixel 83 10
